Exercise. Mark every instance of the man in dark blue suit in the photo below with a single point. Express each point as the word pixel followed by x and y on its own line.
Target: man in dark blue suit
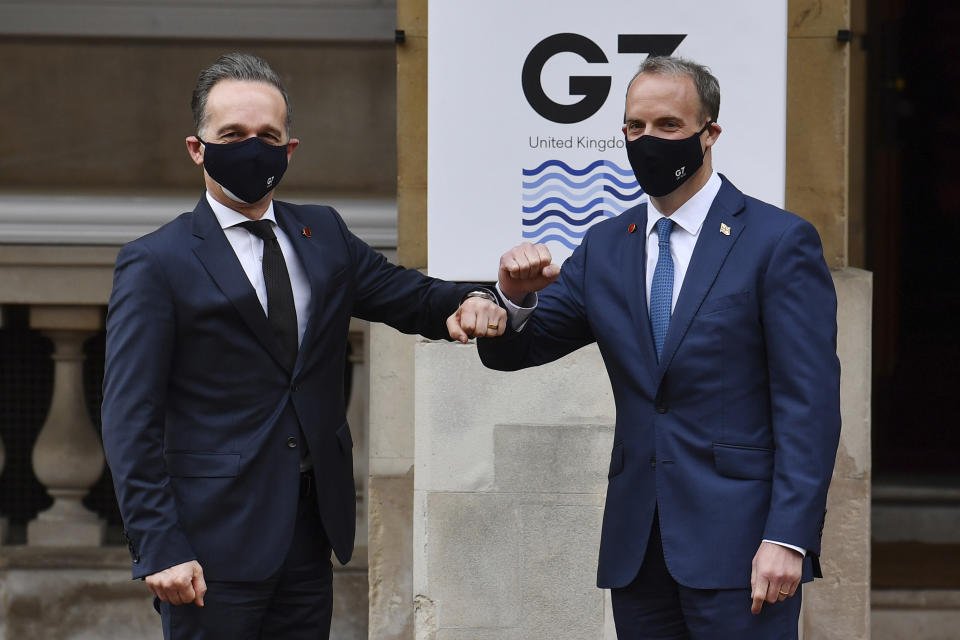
pixel 715 315
pixel 223 415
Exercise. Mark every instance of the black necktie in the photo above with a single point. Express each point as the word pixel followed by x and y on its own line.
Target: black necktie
pixel 281 310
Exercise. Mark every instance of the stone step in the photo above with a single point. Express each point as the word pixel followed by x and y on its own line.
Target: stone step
pixel 915 614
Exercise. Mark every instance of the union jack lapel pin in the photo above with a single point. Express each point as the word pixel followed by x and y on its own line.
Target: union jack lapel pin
pixel 305 232
pixel 724 229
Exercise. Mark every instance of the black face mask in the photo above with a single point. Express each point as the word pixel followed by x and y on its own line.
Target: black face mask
pixel 246 170
pixel 661 165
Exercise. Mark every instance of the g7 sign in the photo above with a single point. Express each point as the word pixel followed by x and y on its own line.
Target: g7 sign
pixel 594 89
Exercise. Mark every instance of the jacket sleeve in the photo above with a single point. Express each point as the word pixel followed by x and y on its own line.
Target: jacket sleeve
pixel 559 325
pixel 799 316
pixel 405 299
pixel 140 335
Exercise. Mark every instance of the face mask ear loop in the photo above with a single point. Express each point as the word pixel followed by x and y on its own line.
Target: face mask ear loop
pixel 698 134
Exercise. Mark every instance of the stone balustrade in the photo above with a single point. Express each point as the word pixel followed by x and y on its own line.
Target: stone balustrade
pixel 66 289
pixel 67 457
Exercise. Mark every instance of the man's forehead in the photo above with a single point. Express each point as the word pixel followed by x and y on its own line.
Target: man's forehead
pixel 670 92
pixel 231 100
pixel 242 92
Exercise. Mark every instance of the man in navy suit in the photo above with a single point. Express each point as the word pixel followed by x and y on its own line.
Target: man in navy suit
pixel 715 315
pixel 223 415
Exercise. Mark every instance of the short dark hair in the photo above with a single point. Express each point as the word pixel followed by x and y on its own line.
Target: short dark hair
pixel 708 88
pixel 234 66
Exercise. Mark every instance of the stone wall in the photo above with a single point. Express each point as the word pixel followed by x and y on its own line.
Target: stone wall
pixel 508 498
pixel 109 115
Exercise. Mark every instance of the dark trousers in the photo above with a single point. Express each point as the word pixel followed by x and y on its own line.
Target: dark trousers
pixel 295 604
pixel 654 605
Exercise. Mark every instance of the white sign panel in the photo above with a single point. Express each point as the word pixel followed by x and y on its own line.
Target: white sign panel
pixel 526 106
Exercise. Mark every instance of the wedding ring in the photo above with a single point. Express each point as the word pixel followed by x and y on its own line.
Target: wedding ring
pixel 784 593
pixel 493 326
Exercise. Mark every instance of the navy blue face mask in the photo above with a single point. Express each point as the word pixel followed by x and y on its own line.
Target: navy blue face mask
pixel 246 170
pixel 661 164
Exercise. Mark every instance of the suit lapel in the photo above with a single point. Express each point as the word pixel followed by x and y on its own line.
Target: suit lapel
pixel 705 263
pixel 635 266
pixel 218 258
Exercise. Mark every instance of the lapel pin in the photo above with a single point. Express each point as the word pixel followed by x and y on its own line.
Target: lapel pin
pixel 724 229
pixel 631 228
pixel 305 232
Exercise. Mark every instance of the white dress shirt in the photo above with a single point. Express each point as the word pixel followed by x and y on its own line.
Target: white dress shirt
pixel 687 222
pixel 249 250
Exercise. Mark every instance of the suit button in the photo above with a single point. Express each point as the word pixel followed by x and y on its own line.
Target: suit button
pixel 294 387
pixel 661 408
pixel 292 442
pixel 653 461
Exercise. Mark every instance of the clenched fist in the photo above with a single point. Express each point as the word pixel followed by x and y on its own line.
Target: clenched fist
pixel 524 269
pixel 179 584
pixel 477 317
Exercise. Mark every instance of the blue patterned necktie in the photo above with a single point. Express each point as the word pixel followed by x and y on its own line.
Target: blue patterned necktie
pixel 661 290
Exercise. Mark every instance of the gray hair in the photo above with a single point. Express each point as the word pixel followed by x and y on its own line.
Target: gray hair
pixel 706 84
pixel 234 66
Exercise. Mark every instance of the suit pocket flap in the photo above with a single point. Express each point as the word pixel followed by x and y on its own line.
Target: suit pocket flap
pixel 190 464
pixel 725 302
pixel 343 435
pixel 736 461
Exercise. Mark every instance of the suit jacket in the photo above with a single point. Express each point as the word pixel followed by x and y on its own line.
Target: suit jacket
pixel 732 435
pixel 201 418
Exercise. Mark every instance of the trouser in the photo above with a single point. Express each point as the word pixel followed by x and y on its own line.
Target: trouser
pixel 654 605
pixel 294 604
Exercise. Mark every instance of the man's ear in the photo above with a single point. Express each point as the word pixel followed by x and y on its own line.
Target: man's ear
pixel 713 132
pixel 195 150
pixel 291 145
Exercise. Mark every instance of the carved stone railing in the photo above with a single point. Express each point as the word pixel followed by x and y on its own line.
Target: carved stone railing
pixel 67 289
pixel 67 457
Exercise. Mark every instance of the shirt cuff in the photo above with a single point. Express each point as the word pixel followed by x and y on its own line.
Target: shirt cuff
pixel 799 550
pixel 518 314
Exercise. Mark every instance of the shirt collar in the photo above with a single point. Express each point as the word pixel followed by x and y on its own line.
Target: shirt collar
pixel 227 217
pixel 693 212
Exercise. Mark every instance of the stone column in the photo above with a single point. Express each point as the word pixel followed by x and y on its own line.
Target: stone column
pixel 390 511
pixel 838 607
pixel 68 456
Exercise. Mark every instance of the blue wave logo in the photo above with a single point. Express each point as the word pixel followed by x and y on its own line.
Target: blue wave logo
pixel 560 203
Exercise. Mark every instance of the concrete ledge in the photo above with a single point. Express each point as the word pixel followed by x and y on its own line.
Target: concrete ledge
pixel 206 19
pixel 113 220
pixel 915 599
pixel 915 615
pixel 27 557
pixel 915 512
pixel 112 557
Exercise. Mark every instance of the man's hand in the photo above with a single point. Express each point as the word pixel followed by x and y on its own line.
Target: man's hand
pixel 477 317
pixel 524 269
pixel 179 584
pixel 776 574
